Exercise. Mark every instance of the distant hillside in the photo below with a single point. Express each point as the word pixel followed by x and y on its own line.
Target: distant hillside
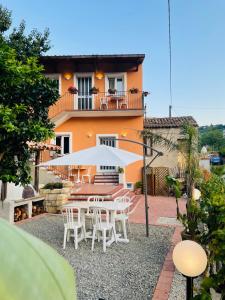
pixel 213 136
pixel 203 129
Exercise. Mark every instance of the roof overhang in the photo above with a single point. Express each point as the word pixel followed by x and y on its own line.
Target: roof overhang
pixel 91 63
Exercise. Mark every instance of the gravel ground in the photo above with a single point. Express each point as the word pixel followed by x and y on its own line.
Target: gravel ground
pixel 178 288
pixel 178 291
pixel 126 271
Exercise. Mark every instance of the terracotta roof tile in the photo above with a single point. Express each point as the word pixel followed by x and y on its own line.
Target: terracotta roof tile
pixel 43 146
pixel 173 122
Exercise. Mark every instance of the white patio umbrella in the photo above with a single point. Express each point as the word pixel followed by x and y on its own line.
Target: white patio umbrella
pixel 100 155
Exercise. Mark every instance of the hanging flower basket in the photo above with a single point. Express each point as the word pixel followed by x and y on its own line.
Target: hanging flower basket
pixel 72 90
pixel 112 91
pixel 94 90
pixel 134 90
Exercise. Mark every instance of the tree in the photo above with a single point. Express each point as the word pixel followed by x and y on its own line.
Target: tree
pixel 25 96
pixel 213 137
pixel 189 149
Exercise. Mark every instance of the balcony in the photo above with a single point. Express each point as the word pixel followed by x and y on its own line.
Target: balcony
pixel 98 105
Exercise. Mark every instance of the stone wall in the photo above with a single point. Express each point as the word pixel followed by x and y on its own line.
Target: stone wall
pixel 54 199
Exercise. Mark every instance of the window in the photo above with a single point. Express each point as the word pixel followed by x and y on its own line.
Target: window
pixel 64 142
pixel 116 82
pixel 111 142
pixel 108 141
pixel 55 77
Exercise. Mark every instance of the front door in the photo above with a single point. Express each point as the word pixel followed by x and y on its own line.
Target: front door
pixel 111 142
pixel 84 98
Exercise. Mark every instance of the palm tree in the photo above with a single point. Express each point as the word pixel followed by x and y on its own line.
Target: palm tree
pixel 188 148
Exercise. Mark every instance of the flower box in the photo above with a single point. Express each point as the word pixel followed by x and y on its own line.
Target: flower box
pixel 94 90
pixel 134 91
pixel 112 91
pixel 72 90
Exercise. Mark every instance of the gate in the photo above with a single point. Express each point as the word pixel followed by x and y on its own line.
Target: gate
pixel 156 182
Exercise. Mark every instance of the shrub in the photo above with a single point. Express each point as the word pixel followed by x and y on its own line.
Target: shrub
pixel 138 185
pixel 120 170
pixel 53 185
pixel 213 237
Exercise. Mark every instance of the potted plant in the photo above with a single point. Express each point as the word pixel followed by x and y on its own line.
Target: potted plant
pixel 94 90
pixel 192 222
pixel 175 187
pixel 72 90
pixel 112 91
pixel 134 90
pixel 138 187
pixel 121 175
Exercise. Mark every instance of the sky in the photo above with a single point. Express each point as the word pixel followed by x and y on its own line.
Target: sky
pixel 141 26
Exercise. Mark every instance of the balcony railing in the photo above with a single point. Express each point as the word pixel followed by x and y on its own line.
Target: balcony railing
pixel 119 101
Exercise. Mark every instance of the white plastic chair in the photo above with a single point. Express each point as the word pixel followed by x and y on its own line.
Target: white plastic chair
pixel 103 225
pixel 124 104
pixel 89 212
pixel 74 224
pixel 92 199
pixel 122 217
pixel 104 102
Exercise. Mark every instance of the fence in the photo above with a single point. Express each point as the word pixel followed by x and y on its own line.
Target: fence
pixel 156 183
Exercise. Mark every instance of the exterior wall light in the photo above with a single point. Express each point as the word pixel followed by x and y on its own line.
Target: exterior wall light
pixel 145 94
pixel 190 259
pixel 124 134
pixel 89 134
pixel 99 75
pixel 67 75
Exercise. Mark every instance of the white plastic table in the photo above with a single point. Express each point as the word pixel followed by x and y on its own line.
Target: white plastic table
pixel 112 206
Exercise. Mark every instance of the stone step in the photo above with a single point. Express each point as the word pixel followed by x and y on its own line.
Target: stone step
pixel 107 176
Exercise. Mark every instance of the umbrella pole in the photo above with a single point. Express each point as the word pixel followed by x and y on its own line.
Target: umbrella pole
pixel 158 153
pixel 145 192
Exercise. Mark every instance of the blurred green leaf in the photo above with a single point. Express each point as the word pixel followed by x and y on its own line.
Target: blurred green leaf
pixel 32 270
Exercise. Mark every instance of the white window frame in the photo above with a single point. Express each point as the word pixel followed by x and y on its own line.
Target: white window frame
pixel 115 135
pixel 52 75
pixel 115 75
pixel 76 75
pixel 63 134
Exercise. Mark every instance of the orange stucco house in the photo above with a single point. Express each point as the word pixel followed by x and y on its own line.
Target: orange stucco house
pixel 85 117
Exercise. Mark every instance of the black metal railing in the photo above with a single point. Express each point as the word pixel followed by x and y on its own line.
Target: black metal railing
pixel 98 102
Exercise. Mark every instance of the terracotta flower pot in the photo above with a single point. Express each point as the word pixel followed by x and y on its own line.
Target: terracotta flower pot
pixel 187 236
pixel 138 191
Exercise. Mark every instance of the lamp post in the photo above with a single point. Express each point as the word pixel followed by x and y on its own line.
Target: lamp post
pixel 190 259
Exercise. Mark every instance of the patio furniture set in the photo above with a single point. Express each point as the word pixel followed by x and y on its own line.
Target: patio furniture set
pixel 85 177
pixel 120 101
pixel 102 217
